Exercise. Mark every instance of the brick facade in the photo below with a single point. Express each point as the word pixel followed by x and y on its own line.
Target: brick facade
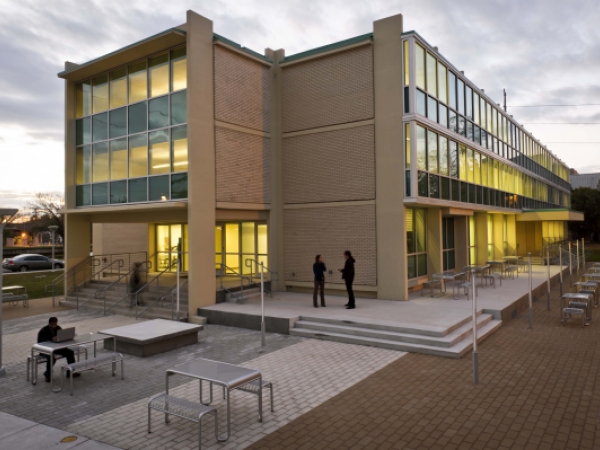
pixel 242 91
pixel 243 167
pixel 329 231
pixel 330 167
pixel 119 238
pixel 327 91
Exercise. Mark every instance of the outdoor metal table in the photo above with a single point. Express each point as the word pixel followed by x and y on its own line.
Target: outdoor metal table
pixel 591 276
pixel 449 275
pixel 588 285
pixel 49 347
pixel 594 269
pixel 20 294
pixel 478 270
pixel 229 376
pixel 588 298
pixel 497 263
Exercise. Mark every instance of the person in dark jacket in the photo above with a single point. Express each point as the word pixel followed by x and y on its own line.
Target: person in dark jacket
pixel 48 333
pixel 348 276
pixel 319 270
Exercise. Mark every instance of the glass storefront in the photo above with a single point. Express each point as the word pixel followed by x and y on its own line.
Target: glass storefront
pixel 236 242
pixel 168 239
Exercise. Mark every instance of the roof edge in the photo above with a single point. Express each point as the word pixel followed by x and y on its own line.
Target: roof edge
pixel 328 47
pixel 224 40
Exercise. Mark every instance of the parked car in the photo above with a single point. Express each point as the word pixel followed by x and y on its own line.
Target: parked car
pixel 23 263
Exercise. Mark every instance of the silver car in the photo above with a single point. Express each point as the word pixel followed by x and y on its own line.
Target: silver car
pixel 23 263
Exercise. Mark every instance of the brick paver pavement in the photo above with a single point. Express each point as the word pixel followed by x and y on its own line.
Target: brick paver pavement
pixel 538 390
pixel 36 307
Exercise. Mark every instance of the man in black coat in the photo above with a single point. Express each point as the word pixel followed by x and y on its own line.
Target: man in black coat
pixel 348 276
pixel 48 333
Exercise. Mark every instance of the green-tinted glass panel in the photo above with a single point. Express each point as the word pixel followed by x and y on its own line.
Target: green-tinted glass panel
pixel 83 131
pixel 84 164
pixel 411 263
pixel 421 230
pixel 421 103
pixel 83 195
pixel 434 186
pixel 431 75
pixel 179 145
pixel 410 231
pixel 138 190
pixel 158 188
pixel 118 88
pixel 432 151
pixel 159 75
pixel 178 69
pixel 118 159
pixel 179 108
pixel 451 89
pixel 421 265
pixel 83 99
pixel 138 83
pixel 420 65
pixel 421 148
pixel 100 162
pixel 453 150
pixel 100 94
pixel 118 123
pixel 100 127
pixel 100 194
pixel 138 118
pixel 179 186
pixel 462 150
pixel 138 156
pixel 422 184
pixel 160 160
pixel 118 191
pixel 158 113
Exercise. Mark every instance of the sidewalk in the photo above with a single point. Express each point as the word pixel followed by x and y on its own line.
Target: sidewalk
pixel 538 390
pixel 22 434
pixel 37 307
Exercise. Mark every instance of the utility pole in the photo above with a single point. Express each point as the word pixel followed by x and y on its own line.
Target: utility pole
pixel 504 92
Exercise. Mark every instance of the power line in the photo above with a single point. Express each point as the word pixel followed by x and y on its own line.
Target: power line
pixel 540 106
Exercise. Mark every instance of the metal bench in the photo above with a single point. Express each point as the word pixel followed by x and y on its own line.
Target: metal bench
pixel 431 284
pixel 570 312
pixel 492 277
pixel 181 408
pixel 252 388
pixel 466 286
pixel 511 270
pixel 15 297
pixel 90 364
pixel 32 370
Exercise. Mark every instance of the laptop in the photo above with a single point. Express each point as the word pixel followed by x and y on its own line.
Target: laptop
pixel 65 335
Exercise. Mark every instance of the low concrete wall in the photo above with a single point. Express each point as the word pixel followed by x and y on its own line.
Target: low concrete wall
pixel 273 324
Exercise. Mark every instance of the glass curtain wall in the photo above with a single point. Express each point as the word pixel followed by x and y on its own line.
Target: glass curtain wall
pixel 416 242
pixel 237 242
pixel 131 133
pixel 448 243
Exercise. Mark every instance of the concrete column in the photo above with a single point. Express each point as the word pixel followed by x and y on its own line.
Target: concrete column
pixel 481 237
pixel 498 237
pixel 78 238
pixel 70 161
pixel 276 256
pixel 435 243
pixel 201 173
pixel 392 280
pixel 461 241
pixel 511 227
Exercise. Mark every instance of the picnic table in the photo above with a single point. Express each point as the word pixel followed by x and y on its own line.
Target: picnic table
pixel 500 263
pixel 588 286
pixel 15 293
pixel 588 298
pixel 479 269
pixel 449 275
pixel 518 261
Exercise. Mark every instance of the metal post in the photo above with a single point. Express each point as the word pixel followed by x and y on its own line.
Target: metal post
pixel 178 275
pixel 53 229
pixel 2 370
pixel 548 271
pixel 570 266
pixel 263 339
pixel 475 354
pixel 577 244
pixel 583 252
pixel 561 269
pixel 530 293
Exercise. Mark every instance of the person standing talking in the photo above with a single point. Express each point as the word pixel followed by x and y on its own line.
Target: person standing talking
pixel 319 270
pixel 348 276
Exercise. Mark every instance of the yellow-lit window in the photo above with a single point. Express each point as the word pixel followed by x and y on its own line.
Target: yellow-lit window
pixel 496 178
pixel 442 82
pixel 476 108
pixel 84 99
pixel 431 75
pixel 178 69
pixel 138 156
pixel 100 162
pixel 484 170
pixel 420 65
pixel 406 64
pixel 100 94
pixel 470 165
pixel 179 144
pixel 477 168
pixel 118 159
pixel 462 155
pixel 407 145
pixel 489 117
pixel 138 83
pixel 159 75
pixel 84 164
pixel 421 148
pixel 160 161
pixel 432 151
pixel 483 113
pixel 118 88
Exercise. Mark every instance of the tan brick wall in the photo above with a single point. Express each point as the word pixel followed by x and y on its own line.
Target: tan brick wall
pixel 242 90
pixel 327 91
pixel 243 167
pixel 119 238
pixel 330 167
pixel 329 231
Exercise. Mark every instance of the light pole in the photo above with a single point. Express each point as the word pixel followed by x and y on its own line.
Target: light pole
pixel 5 215
pixel 53 229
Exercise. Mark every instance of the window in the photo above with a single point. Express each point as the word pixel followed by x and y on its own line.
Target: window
pixel 431 75
pixel 442 74
pixel 158 188
pixel 420 66
pixel 453 159
pixel 118 88
pixel 84 164
pixel 118 159
pixel 452 89
pixel 138 83
pixel 443 156
pixel 138 156
pixel 416 229
pixel 476 109
pixel 160 161
pixel 421 148
pixel 469 102
pixel 432 109
pixel 178 69
pixel 406 64
pixel 443 116
pixel 100 94
pixel 100 162
pixel 158 75
pixel 118 191
pixel 421 103
pixel 158 113
pixel 179 108
pixel 448 243
pixel 138 118
pixel 83 93
pixel 83 131
pixel 179 146
pixel 100 127
pixel 432 151
pixel 407 145
pixel 138 190
pixel 179 186
pixel 118 123
pixel 460 96
pixel 490 236
pixel 463 162
pixel 472 241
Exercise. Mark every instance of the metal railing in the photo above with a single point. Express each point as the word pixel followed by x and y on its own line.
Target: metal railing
pixel 228 271
pixel 162 298
pixel 273 276
pixel 133 297
pixel 137 267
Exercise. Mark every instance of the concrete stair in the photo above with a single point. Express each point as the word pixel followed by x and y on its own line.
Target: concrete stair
pixel 453 342
pixel 87 294
pixel 245 296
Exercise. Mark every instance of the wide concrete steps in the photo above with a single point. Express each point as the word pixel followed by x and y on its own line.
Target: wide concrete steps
pixel 245 296
pixel 154 312
pixel 452 343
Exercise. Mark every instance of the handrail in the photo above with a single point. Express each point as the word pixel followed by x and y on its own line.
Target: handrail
pixel 128 294
pixel 173 293
pixel 224 269
pixel 167 269
pixel 103 291
pixel 161 299
pixel 272 272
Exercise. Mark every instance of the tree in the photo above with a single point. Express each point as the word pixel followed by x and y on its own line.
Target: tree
pixel 587 201
pixel 45 211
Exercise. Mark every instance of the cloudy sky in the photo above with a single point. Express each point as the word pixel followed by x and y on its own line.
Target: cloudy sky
pixel 544 52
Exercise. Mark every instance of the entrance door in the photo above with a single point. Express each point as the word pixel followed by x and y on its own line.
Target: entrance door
pixel 238 242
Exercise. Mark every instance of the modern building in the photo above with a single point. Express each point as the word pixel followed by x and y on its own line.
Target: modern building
pixel 376 144
pixel 589 180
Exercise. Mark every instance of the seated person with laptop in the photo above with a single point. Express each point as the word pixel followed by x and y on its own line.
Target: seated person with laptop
pixel 52 332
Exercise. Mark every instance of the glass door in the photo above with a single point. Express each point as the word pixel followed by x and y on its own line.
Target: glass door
pixel 168 238
pixel 236 242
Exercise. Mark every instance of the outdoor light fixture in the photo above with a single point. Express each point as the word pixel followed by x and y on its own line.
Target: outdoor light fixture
pixel 5 215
